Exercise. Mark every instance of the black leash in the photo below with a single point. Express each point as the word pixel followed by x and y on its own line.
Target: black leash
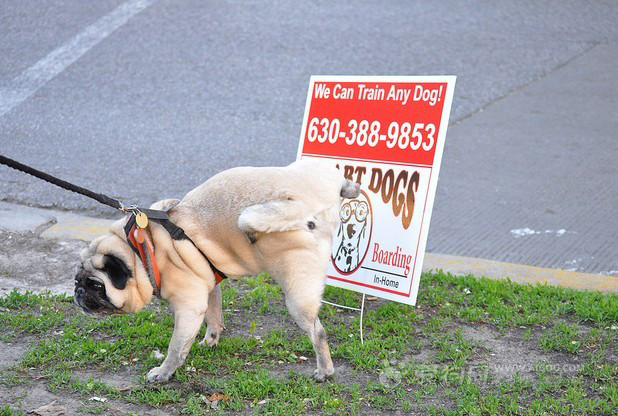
pixel 156 215
pixel 104 199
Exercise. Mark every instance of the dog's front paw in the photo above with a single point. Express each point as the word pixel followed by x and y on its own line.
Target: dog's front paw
pixel 321 375
pixel 158 375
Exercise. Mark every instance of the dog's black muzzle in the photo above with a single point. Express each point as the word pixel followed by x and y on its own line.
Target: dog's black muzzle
pixel 90 295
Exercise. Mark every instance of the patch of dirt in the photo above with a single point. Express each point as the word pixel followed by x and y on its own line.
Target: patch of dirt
pixel 13 351
pixel 239 322
pixel 121 378
pixel 506 353
pixel 35 394
pixel 32 392
pixel 29 262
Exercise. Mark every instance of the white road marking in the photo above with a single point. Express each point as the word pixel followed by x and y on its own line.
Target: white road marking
pixel 521 232
pixel 33 78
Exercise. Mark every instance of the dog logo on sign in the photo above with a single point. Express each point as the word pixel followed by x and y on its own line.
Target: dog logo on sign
pixel 351 242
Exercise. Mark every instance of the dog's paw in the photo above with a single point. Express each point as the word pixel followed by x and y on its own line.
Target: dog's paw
pixel 211 338
pixel 158 375
pixel 322 375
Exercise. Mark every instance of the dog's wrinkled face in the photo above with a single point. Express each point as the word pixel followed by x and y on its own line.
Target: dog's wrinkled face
pixel 90 292
pixel 107 281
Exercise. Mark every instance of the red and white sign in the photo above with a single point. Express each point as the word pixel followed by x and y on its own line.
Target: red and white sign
pixel 387 133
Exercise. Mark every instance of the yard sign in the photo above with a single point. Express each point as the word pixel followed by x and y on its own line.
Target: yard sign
pixel 386 133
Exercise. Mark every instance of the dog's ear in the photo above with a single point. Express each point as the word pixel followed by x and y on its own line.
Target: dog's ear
pixel 117 271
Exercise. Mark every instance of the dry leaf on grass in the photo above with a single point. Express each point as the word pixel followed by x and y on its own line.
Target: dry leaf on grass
pixel 218 397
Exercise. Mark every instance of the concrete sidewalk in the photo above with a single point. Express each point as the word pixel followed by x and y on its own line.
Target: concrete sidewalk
pixel 61 226
pixel 50 223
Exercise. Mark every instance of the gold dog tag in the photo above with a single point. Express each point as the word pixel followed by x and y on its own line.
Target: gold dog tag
pixel 141 220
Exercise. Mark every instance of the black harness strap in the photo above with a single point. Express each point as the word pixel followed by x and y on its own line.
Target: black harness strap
pixel 177 233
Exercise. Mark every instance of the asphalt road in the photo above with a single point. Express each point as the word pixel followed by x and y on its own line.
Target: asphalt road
pixel 145 99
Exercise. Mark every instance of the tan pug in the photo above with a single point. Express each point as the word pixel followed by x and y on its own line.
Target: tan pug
pixel 247 221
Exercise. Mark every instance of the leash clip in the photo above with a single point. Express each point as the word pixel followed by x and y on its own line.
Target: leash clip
pixel 141 219
pixel 128 210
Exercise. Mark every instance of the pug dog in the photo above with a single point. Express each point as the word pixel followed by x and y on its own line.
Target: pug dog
pixel 245 221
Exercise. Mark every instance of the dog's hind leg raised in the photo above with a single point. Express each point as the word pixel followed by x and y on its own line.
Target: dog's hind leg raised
pixel 303 293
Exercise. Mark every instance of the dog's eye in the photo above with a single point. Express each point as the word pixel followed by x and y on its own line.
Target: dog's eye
pixel 98 285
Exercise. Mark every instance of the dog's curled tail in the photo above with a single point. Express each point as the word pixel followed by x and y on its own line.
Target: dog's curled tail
pixel 283 215
pixel 272 216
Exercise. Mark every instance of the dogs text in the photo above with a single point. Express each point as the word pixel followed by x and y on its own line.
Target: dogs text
pixel 399 191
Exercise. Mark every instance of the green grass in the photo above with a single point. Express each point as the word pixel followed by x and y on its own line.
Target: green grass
pixel 561 337
pixel 506 304
pixel 412 359
pixel 262 293
pixel 7 410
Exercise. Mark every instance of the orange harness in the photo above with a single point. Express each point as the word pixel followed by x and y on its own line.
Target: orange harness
pixel 138 240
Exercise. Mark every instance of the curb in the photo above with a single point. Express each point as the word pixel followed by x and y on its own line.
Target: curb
pixel 48 223
pixel 74 227
pixel 519 273
pixel 77 227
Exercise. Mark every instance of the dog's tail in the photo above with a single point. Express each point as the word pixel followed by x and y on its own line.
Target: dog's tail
pixel 273 216
pixel 284 215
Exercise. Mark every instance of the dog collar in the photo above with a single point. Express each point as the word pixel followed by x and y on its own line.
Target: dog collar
pixel 137 240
